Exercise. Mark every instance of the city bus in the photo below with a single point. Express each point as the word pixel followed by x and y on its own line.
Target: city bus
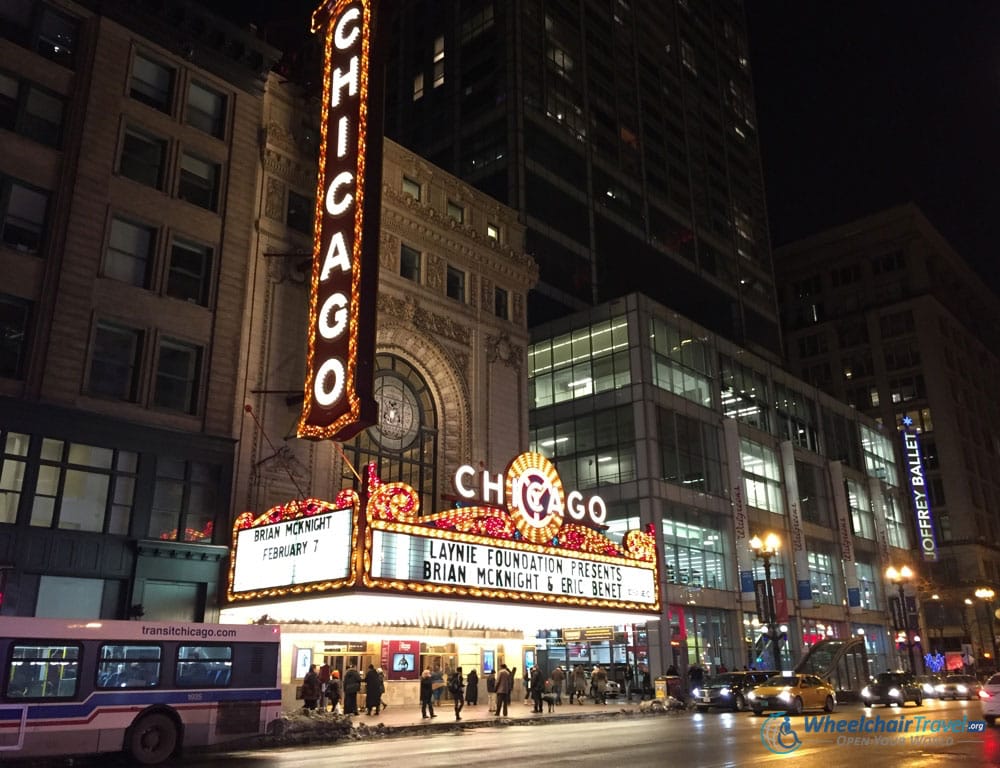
pixel 70 687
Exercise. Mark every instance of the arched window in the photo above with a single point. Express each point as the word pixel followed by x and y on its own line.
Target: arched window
pixel 403 443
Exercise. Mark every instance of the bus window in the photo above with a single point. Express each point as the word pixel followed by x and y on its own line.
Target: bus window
pixel 43 671
pixel 204 666
pixel 128 666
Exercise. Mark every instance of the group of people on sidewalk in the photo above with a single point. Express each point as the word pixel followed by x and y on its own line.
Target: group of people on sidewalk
pixel 463 690
pixel 324 687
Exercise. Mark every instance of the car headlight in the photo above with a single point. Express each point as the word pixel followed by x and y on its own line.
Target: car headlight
pixel 939 688
pixel 894 692
pixel 961 688
pixel 696 692
pixel 866 692
pixel 724 692
pixel 751 696
pixel 785 695
pixel 928 688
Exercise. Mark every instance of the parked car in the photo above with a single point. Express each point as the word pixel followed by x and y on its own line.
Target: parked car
pixel 792 693
pixel 892 689
pixel 959 687
pixel 929 684
pixel 989 695
pixel 728 690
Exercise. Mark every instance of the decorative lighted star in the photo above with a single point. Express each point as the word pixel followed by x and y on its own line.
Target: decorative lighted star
pixel 907 421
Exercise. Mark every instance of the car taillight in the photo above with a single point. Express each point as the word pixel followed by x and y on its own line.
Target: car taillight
pixel 984 694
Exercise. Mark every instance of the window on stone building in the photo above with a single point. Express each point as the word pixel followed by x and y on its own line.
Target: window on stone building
pixel 114 361
pixel 185 496
pixel 189 277
pixel 178 376
pixel 129 254
pixel 409 263
pixel 143 158
pixel 456 284
pixel 299 214
pixel 206 109
pixel 84 487
pixel 15 313
pixel 23 213
pixel 199 181
pixel 501 302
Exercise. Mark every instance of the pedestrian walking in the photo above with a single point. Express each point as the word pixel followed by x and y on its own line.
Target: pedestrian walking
pixel 456 687
pixel 426 695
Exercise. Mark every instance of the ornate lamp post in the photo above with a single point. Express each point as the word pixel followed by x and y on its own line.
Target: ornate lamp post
pixel 986 595
pixel 898 577
pixel 765 550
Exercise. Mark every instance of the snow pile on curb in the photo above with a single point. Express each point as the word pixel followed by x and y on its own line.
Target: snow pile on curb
pixel 308 726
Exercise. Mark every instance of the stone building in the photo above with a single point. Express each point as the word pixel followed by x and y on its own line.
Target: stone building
pixel 128 170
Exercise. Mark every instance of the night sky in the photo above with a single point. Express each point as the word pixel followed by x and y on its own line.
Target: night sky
pixel 864 104
pixel 861 105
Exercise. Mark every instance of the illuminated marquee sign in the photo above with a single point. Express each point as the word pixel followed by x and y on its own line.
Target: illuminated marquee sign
pixel 918 491
pixel 340 359
pixel 540 546
pixel 300 547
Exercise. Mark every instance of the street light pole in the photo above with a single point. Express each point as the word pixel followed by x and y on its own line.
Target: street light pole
pixel 765 550
pixel 986 595
pixel 897 577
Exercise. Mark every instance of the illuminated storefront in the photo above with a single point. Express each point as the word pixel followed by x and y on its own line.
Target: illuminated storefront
pixel 399 589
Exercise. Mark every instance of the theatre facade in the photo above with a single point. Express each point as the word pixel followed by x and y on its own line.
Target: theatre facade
pixel 429 538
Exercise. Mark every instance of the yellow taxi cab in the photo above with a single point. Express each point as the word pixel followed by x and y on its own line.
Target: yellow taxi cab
pixel 791 692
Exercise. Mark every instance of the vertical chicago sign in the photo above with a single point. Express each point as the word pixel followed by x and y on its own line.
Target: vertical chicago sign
pixel 340 359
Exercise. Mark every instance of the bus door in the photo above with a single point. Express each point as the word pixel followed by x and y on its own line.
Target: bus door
pixel 13 718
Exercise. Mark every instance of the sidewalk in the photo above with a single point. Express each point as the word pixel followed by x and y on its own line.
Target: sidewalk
pixel 408 716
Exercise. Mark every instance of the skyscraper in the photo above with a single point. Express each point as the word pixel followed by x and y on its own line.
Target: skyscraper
pixel 884 315
pixel 623 132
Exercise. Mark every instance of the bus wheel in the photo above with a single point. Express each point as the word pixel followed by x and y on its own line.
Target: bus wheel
pixel 152 739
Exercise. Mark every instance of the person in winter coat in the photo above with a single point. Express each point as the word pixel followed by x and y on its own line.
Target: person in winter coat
pixel 311 688
pixel 579 685
pixel 437 682
pixel 373 690
pixel 426 695
pixel 333 690
pixel 491 691
pixel 456 687
pixel 599 678
pixel 352 684
pixel 557 683
pixel 504 684
pixel 324 681
pixel 536 687
pixel 472 688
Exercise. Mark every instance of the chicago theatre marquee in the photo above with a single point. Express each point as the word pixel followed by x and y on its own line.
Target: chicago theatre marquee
pixel 414 534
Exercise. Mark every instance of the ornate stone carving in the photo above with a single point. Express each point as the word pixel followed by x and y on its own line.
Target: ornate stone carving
pixel 274 199
pixel 435 272
pixel 388 251
pixel 296 174
pixel 436 326
pixel 499 349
